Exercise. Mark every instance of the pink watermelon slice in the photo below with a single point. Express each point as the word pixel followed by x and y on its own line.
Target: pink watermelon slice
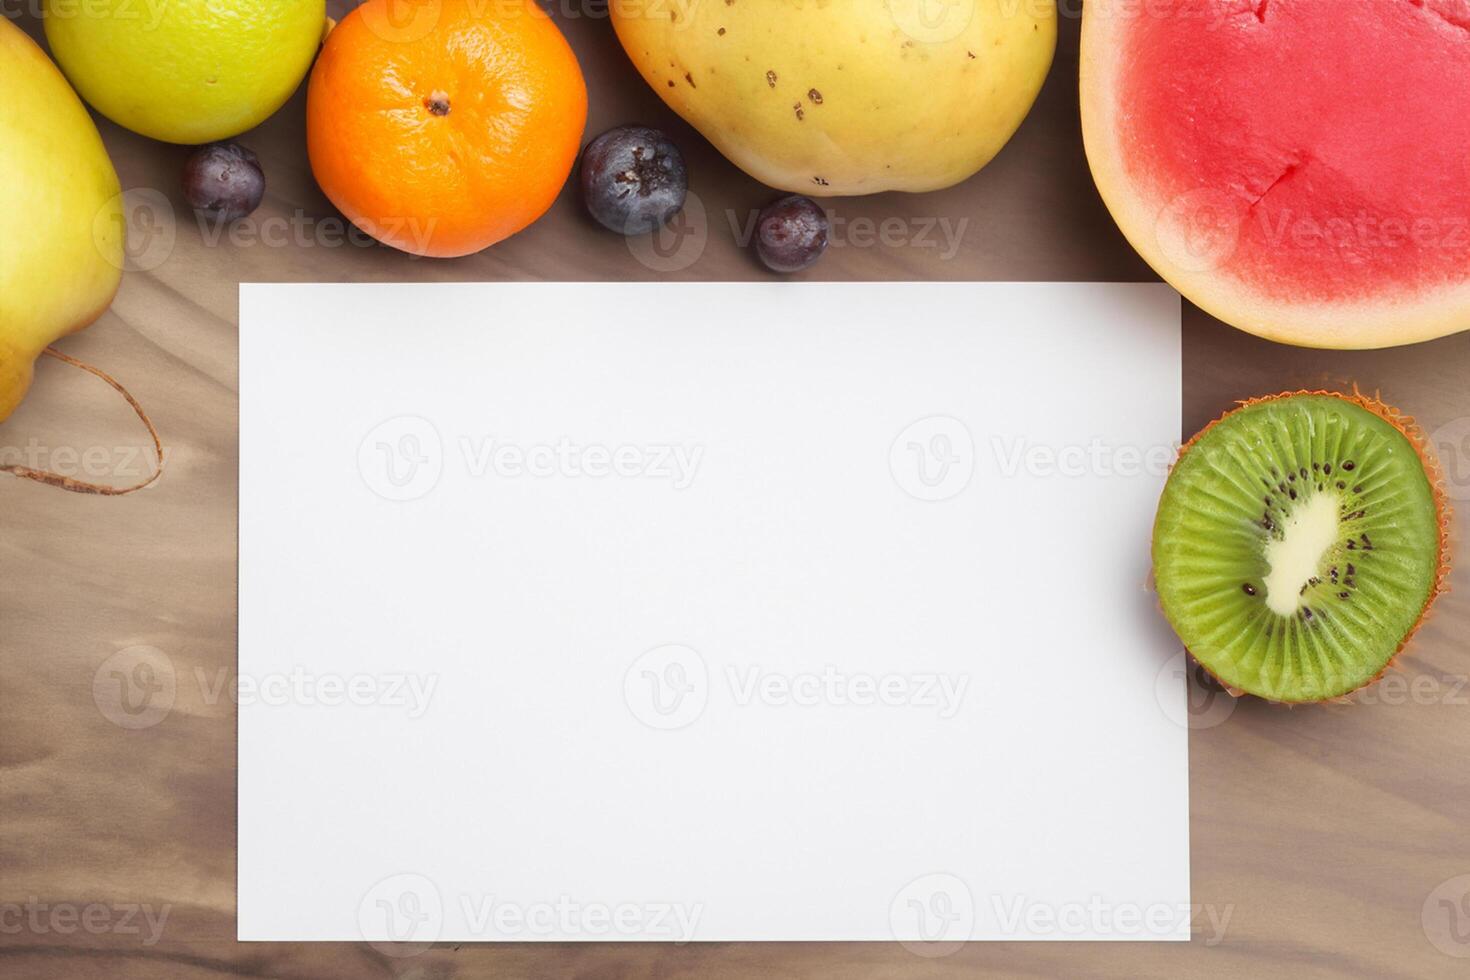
pixel 1298 168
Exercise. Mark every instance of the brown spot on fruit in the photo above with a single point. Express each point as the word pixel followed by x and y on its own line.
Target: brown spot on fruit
pixel 771 79
pixel 800 115
pixel 815 96
pixel 438 103
pixel 721 32
pixel 688 77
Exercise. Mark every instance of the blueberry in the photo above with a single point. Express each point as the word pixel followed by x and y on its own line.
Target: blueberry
pixel 633 179
pixel 223 182
pixel 791 233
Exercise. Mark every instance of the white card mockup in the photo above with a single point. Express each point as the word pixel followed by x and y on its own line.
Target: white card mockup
pixel 694 612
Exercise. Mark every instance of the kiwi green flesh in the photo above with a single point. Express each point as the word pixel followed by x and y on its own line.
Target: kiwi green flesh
pixel 1256 477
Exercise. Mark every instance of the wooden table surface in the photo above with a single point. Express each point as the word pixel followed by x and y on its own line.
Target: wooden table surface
pixel 1332 837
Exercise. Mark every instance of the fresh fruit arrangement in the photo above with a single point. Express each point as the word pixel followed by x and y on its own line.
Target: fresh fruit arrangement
pixel 445 141
pixel 1263 165
pixel 1299 543
pixel 185 71
pixel 1263 158
pixel 852 98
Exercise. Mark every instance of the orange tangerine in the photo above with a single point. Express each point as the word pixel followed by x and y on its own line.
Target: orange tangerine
pixel 441 127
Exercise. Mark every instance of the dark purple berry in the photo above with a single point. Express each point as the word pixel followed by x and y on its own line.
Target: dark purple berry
pixel 791 233
pixel 223 182
pixel 633 179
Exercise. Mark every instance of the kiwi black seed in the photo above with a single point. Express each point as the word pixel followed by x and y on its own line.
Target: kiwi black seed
pixel 1307 592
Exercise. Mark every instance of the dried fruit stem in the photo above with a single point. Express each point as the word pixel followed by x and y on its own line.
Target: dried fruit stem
pixel 73 485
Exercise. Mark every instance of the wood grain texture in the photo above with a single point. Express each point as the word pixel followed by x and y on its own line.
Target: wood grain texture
pixel 1323 832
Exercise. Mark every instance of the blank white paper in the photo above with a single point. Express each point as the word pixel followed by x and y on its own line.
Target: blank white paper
pixel 692 612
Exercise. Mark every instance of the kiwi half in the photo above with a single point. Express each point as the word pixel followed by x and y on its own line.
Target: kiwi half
pixel 1300 540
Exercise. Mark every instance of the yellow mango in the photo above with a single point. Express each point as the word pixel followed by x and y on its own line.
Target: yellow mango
pixel 837 97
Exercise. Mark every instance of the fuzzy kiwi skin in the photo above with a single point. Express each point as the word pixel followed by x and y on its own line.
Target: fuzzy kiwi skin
pixel 1295 685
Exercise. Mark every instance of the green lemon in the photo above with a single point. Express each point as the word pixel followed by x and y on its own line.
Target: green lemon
pixel 185 71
